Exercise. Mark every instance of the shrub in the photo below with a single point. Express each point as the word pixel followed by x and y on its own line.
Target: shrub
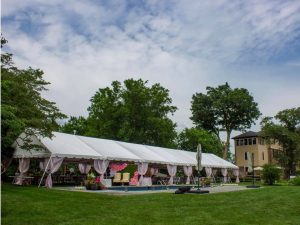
pixel 270 174
pixel 130 169
pixel 295 181
pixel 205 181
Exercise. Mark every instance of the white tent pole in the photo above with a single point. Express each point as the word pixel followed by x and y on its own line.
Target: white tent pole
pixel 45 171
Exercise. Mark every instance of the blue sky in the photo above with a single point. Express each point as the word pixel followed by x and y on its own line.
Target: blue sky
pixel 184 45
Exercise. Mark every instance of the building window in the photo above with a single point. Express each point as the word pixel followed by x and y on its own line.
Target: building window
pixel 263 156
pixel 237 142
pixel 254 141
pixel 245 141
pixel 246 156
pixel 241 141
pixel 250 141
pixel 261 141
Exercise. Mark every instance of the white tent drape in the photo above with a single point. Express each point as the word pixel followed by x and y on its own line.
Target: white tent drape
pixel 188 171
pixel 100 166
pixel 236 174
pixel 24 165
pixel 214 172
pixel 23 168
pixel 208 171
pixel 172 169
pixel 53 167
pixel 84 168
pixel 43 164
pixel 153 171
pixel 224 173
pixel 142 170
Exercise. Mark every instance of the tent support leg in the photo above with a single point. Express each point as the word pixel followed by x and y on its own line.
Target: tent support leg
pixel 45 171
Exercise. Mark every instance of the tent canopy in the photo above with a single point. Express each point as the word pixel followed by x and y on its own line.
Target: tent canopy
pixel 79 147
pixel 61 145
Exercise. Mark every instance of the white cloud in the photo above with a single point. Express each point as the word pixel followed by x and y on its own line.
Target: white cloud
pixel 185 46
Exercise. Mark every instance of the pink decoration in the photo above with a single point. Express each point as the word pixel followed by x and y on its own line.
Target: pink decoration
pixel 117 167
pixel 97 180
pixel 134 179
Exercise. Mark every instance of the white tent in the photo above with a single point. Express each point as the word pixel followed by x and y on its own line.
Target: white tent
pixel 79 147
pixel 73 147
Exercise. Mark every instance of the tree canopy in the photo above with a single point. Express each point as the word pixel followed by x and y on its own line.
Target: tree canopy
pixel 224 109
pixel 132 112
pixel 75 125
pixel 189 139
pixel 285 128
pixel 23 109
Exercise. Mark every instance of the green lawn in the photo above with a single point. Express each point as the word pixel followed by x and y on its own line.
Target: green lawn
pixel 270 205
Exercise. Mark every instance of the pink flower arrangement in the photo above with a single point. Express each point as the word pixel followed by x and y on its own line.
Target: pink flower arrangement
pixel 134 179
pixel 94 183
pixel 117 167
pixel 97 180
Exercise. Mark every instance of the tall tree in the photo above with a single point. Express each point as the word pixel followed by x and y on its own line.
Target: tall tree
pixel 22 108
pixel 77 125
pixel 133 112
pixel 287 132
pixel 189 139
pixel 224 109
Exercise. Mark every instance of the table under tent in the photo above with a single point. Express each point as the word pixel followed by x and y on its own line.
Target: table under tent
pixel 104 155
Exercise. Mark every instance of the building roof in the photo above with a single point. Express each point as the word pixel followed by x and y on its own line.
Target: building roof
pixel 80 147
pixel 247 134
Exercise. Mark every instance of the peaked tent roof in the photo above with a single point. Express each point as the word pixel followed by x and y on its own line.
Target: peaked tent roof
pixel 109 149
pixel 61 145
pixel 79 147
pixel 144 153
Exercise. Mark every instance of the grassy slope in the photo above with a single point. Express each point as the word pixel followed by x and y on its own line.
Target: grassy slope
pixel 29 205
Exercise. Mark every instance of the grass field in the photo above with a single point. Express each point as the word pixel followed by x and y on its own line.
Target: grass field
pixel 270 205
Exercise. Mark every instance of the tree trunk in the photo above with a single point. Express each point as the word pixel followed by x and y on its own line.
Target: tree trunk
pixel 227 145
pixel 5 162
pixel 290 170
